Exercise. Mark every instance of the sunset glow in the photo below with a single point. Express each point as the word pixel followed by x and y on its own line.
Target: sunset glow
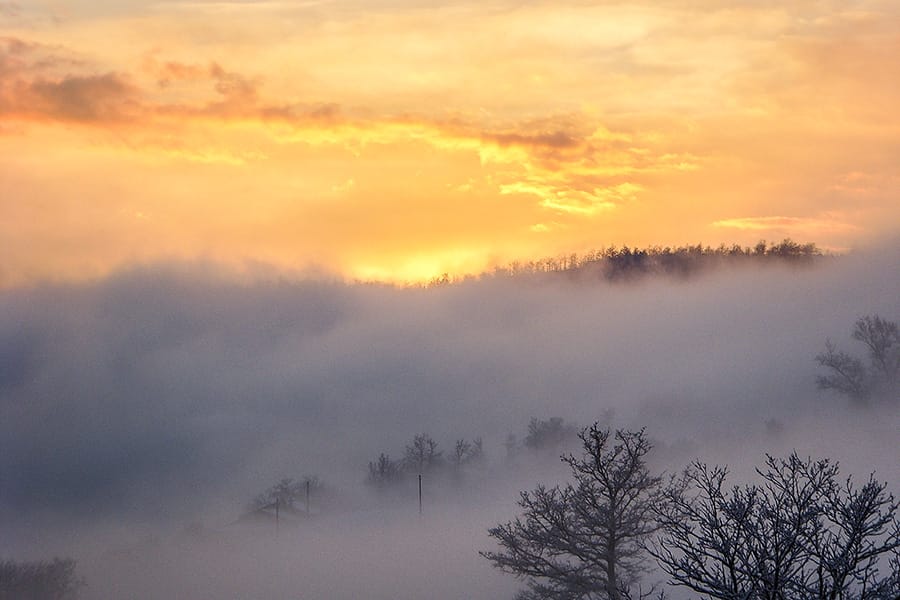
pixel 400 140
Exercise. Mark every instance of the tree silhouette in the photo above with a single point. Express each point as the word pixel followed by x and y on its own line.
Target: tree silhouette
pixel 549 434
pixel 849 376
pixel 465 453
pixel 585 539
pixel 383 472
pixel 422 455
pixel 286 493
pixel 802 534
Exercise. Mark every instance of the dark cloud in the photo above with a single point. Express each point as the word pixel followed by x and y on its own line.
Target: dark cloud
pixel 236 95
pixel 27 59
pixel 554 140
pixel 106 97
pixel 38 81
pixel 233 86
pixel 239 94
pixel 171 71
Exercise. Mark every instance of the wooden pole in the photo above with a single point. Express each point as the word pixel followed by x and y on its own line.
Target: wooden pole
pixel 276 515
pixel 420 494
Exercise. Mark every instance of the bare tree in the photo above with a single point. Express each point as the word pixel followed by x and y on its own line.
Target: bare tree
pixel 585 539
pixel 460 452
pixel 287 492
pixel 383 472
pixel 799 535
pixel 882 339
pixel 849 376
pixel 421 455
pixel 465 452
pixel 846 374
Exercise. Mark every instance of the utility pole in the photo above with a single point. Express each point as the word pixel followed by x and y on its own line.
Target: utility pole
pixel 277 500
pixel 307 497
pixel 420 494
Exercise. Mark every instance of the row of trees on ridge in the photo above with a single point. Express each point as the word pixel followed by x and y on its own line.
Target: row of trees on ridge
pixel 422 456
pixel 614 263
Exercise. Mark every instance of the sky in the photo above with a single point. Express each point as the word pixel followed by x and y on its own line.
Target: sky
pixel 397 140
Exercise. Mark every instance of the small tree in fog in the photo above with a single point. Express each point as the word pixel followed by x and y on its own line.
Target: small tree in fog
pixel 287 492
pixel 42 580
pixel 802 534
pixel 460 452
pixel 465 452
pixel 422 455
pixel 848 375
pixel 383 472
pixel 549 434
pixel 585 539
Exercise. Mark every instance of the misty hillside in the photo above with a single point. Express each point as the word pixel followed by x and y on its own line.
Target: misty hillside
pixel 145 413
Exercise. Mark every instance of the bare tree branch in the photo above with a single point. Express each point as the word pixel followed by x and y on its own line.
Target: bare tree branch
pixel 585 539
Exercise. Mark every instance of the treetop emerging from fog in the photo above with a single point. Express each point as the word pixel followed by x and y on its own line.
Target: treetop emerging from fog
pixel 625 263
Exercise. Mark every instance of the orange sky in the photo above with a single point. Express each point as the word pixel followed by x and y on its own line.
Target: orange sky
pixel 399 139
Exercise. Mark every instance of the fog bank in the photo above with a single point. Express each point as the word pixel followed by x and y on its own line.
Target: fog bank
pixel 169 395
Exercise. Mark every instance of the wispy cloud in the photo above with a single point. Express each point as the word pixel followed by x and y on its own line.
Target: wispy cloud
pixel 564 198
pixel 792 225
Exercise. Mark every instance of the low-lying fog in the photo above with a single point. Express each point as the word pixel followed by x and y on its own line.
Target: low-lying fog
pixel 140 414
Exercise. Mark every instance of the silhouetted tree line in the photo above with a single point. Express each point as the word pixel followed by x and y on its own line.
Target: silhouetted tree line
pixel 627 263
pixel 543 437
pixel 289 494
pixel 549 434
pixel 422 456
pixel 801 533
